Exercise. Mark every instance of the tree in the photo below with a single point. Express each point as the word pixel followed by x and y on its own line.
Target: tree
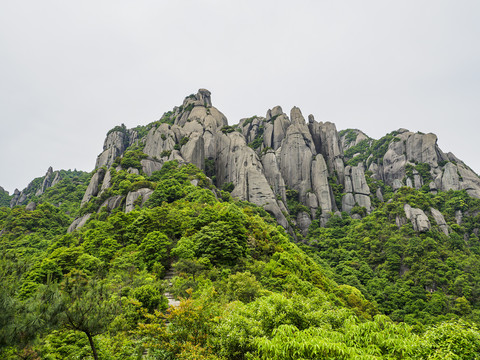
pixel 89 306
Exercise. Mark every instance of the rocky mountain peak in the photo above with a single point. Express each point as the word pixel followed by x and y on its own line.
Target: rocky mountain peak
pixel 298 171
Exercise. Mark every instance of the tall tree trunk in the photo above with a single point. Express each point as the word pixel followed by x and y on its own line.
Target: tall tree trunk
pixel 92 345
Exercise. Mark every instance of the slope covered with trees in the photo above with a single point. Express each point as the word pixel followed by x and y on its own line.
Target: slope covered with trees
pixel 247 290
pixel 281 239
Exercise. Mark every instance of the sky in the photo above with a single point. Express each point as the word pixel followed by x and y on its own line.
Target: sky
pixel 72 70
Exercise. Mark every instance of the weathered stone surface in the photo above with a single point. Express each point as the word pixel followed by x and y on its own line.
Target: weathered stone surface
pixel 459 217
pixel 239 164
pixel 347 144
pixel 107 179
pixel 149 166
pixel 16 196
pixel 303 222
pixel 159 140
pixel 194 150
pixel 356 186
pixel 440 220
pixel 418 218
pixel 397 184
pixel 132 196
pixel 379 194
pixel 273 175
pixel 450 179
pixel 470 181
pixel 47 182
pixel 132 170
pixel 295 158
pixel 31 206
pixel 348 202
pixel 93 186
pixel 114 146
pixel 112 203
pixel 78 223
pixel 320 186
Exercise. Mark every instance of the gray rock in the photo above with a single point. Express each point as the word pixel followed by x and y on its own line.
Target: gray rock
pixel 348 202
pixel 78 223
pixel 239 164
pixel 93 186
pixel 46 183
pixel 450 179
pixel 114 146
pixel 440 220
pixel 320 186
pixel 397 184
pixel 132 170
pixel 149 166
pixel 273 175
pixel 204 96
pixel 303 222
pixel 107 179
pixel 112 203
pixel 418 218
pixel 31 206
pixel 132 196
pixel 379 194
pixel 16 196
pixel 194 150
pixel 459 217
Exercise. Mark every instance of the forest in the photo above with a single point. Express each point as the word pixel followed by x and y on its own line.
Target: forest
pixel 355 289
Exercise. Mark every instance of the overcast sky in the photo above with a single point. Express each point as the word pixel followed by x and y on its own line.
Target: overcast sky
pixel 72 70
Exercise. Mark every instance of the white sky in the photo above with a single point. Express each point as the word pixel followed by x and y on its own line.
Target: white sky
pixel 72 70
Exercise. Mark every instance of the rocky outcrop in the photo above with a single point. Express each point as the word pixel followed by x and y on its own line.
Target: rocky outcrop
pixel 410 149
pixel 47 182
pixel 149 166
pixel 93 186
pixel 440 220
pixel 31 206
pixel 352 137
pixel 239 164
pixel 117 141
pixel 133 196
pixel 15 198
pixel 78 223
pixel 356 189
pixel 112 203
pixel 418 218
pixel 266 157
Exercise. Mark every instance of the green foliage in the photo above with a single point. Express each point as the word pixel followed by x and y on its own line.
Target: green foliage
pixel 246 291
pixel 228 187
pixel 131 159
pixel 120 128
pixel 227 129
pixel 5 198
pixel 258 140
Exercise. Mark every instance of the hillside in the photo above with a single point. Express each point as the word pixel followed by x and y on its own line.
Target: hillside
pixel 287 240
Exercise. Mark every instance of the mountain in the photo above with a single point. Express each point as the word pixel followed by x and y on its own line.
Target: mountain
pixel 282 239
pixel 296 171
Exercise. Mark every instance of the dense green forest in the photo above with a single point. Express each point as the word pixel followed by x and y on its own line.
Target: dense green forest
pixel 368 288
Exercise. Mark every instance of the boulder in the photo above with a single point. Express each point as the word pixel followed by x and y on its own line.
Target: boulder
pixel 303 222
pixel 418 218
pixel 132 196
pixel 112 203
pixel 93 186
pixel 31 206
pixel 440 220
pixel 78 223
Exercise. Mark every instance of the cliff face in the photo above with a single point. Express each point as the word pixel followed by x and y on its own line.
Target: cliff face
pixel 263 157
pixel 279 160
pixel 36 187
pixel 414 160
